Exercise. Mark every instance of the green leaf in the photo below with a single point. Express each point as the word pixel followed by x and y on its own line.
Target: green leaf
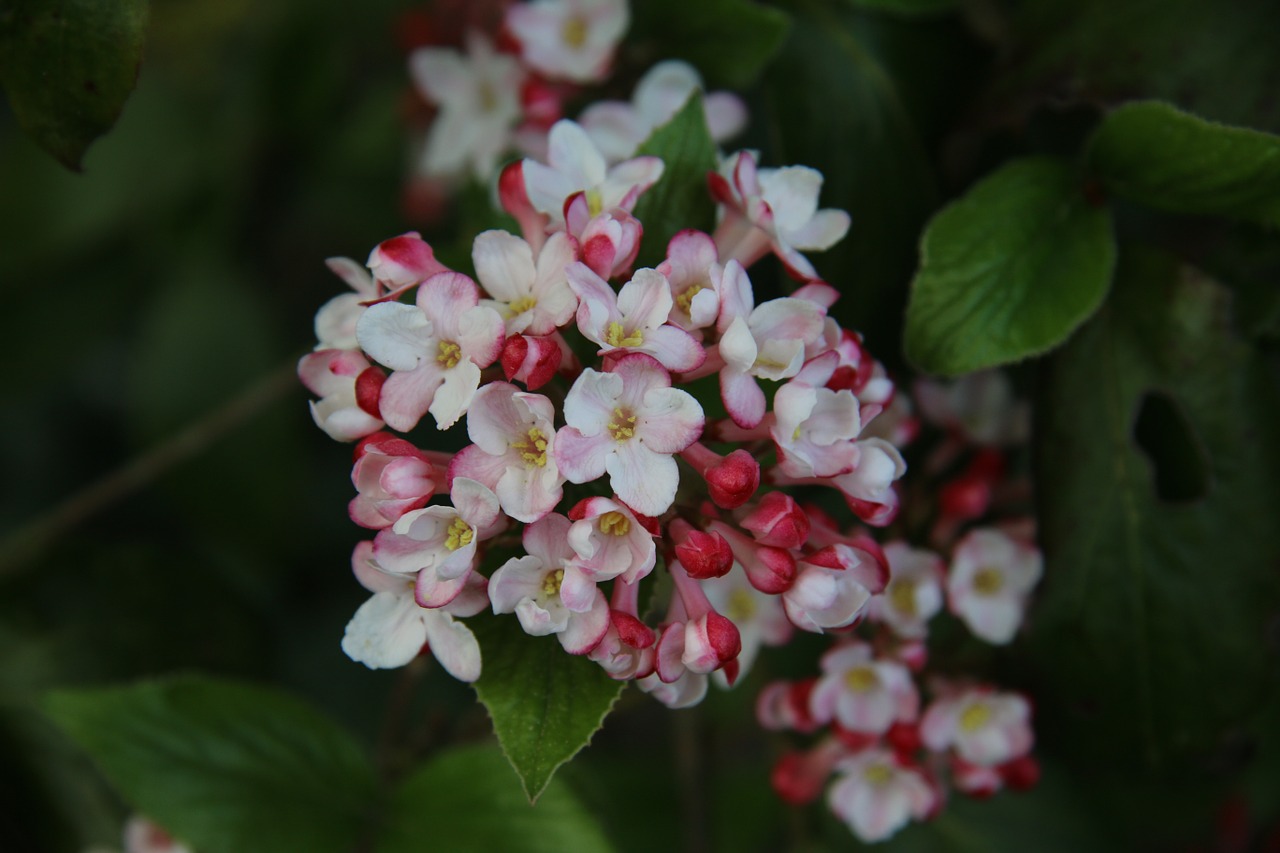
pixel 908 8
pixel 680 198
pixel 466 799
pixel 545 703
pixel 1157 155
pixel 1009 270
pixel 729 41
pixel 1152 624
pixel 68 67
pixel 227 767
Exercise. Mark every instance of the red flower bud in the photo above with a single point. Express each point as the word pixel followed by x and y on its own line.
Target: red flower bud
pixel 705 555
pixel 778 521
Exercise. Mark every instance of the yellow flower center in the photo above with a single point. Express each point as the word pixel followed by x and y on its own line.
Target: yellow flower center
pixel 487 97
pixel 623 425
pixel 459 536
pixel 988 581
pixel 902 595
pixel 878 774
pixel 741 606
pixel 574 32
pixel 975 717
pixel 449 354
pixel 595 202
pixel 617 336
pixel 615 523
pixel 860 679
pixel 551 583
pixel 684 300
pixel 521 305
pixel 533 449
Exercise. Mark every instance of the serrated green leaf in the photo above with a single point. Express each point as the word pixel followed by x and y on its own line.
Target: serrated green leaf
pixel 729 41
pixel 1152 621
pixel 545 703
pixel 1159 156
pixel 680 198
pixel 68 67
pixel 227 767
pixel 466 799
pixel 1009 270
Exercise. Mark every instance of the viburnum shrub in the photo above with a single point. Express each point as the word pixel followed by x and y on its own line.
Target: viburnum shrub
pixel 628 424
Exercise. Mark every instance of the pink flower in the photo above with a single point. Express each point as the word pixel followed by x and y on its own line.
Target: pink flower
pixel 834 586
pixel 875 794
pixel 334 374
pixel 863 694
pixel 619 128
pixel 436 349
pixel 479 100
pixel 628 423
pixel 991 577
pixel 529 586
pixel 634 319
pixel 984 727
pixel 569 39
pixel 608 541
pixel 693 271
pixel 514 450
pixel 534 299
pixel 773 208
pixel 760 618
pixel 576 166
pixel 392 478
pixel 914 593
pixel 390 629
pixel 686 691
pixel 814 429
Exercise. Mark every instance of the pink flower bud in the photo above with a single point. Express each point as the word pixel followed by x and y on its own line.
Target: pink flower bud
pixel 794 780
pixel 710 642
pixel 515 200
pixel 531 359
pixel 778 521
pixel 704 555
pixel 731 480
pixel 631 631
pixel 905 739
pixel 404 261
pixel 1021 774
pixel 369 389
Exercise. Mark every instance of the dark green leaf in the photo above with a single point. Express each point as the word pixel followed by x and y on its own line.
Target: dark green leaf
pixel 1153 621
pixel 729 41
pixel 680 198
pixel 227 767
pixel 1009 270
pixel 1159 156
pixel 910 8
pixel 68 67
pixel 467 799
pixel 545 703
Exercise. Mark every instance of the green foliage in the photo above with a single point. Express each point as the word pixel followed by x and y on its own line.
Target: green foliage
pixel 1153 615
pixel 68 67
pixel 545 704
pixel 679 199
pixel 1009 270
pixel 907 7
pixel 729 41
pixel 1159 156
pixel 229 768
pixel 466 799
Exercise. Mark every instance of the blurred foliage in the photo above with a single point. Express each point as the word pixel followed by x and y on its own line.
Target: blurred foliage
pixel 185 264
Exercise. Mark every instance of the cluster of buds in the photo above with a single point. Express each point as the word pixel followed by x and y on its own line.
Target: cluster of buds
pixel 503 89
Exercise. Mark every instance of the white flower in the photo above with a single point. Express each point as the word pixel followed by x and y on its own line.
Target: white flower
pixel 876 795
pixel 569 39
pixel 534 299
pixel 863 694
pixel 991 577
pixel 914 593
pixel 985 727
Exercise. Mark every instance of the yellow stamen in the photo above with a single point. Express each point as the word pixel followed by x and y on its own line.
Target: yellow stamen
pixel 487 97
pixel 861 679
pixel 615 524
pixel 618 337
pixel 878 774
pixel 533 449
pixel 551 583
pixel 741 606
pixel 902 595
pixel 521 305
pixel 623 426
pixel 975 717
pixel 595 202
pixel 684 300
pixel 574 32
pixel 449 354
pixel 460 535
pixel 988 581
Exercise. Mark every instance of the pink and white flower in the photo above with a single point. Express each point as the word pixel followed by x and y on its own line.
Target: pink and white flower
pixel 834 586
pixel 685 692
pixel 634 319
pixel 773 208
pixel 608 541
pixel 534 299
pixel 569 39
pixel 628 423
pixel 862 693
pixel 876 794
pixel 693 272
pixel 618 128
pixel 391 628
pixel 436 349
pixel 991 577
pixel 513 452
pixel 479 100
pixel 529 586
pixel 984 726
pixel 914 593
pixel 334 375
pixel 814 429
pixel 391 477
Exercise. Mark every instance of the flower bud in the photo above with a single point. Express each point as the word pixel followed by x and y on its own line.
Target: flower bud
pixel 369 389
pixel 733 480
pixel 531 359
pixel 778 521
pixel 704 555
pixel 404 261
